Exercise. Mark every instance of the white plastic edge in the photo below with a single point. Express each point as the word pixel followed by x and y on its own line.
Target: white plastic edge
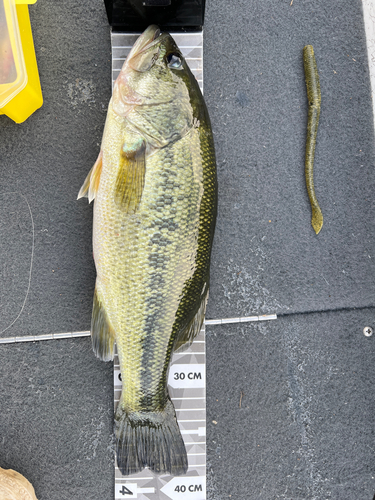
pixel 369 19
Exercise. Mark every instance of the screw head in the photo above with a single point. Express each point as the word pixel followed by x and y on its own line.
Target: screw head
pixel 368 331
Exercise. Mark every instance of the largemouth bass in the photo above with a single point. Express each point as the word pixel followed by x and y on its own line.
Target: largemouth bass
pixel 155 190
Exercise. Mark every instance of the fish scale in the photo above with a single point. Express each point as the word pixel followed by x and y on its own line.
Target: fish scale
pixel 131 270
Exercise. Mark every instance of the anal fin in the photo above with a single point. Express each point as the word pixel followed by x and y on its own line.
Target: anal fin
pixel 131 176
pixel 186 336
pixel 102 334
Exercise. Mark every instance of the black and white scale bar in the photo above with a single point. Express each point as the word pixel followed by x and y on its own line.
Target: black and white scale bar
pixel 187 374
pixel 188 394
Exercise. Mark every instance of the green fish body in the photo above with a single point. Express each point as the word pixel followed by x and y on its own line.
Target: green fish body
pixel 155 192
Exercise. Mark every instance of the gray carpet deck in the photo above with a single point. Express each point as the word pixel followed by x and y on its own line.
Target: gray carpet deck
pixel 305 428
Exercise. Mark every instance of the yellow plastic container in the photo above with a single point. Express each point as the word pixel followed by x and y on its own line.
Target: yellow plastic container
pixel 20 92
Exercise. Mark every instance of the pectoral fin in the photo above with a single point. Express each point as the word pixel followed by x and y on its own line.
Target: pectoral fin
pixel 90 186
pixel 192 329
pixel 131 176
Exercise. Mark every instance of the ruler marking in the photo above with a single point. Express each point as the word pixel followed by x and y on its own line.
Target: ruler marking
pixel 133 479
pixel 188 421
pixel 86 333
pixel 129 47
pixel 190 409
pixel 177 399
pixel 197 442
pixel 70 335
pixel 189 353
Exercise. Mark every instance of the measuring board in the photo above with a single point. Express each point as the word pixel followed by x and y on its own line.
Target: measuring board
pixel 187 374
pixel 186 381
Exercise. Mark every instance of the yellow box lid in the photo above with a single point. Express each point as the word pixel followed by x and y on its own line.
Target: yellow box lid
pixel 13 75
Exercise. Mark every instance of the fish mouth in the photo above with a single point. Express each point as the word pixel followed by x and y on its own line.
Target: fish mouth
pixel 140 59
pixel 156 31
pixel 149 38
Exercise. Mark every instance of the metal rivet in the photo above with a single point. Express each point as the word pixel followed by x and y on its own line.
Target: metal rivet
pixel 368 331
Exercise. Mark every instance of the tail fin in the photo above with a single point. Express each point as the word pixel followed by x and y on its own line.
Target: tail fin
pixel 150 439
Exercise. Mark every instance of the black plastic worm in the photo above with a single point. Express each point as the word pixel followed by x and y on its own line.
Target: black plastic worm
pixel 313 96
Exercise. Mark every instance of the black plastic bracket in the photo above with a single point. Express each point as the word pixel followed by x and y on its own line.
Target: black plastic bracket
pixel 131 16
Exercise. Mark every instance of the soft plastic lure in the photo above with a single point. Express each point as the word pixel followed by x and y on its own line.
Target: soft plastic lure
pixel 313 96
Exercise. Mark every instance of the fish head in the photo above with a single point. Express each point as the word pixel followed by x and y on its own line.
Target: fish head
pixel 155 89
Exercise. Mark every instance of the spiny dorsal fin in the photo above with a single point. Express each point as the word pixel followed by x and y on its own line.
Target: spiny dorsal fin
pixel 192 329
pixel 102 333
pixel 90 186
pixel 131 176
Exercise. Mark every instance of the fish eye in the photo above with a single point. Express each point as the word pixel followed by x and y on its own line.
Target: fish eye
pixel 174 60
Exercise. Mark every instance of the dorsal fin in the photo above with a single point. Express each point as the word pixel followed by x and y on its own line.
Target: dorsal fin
pixel 131 176
pixel 90 186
